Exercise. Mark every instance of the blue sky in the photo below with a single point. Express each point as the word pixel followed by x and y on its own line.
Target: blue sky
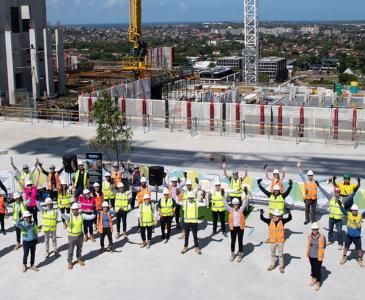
pixel 116 11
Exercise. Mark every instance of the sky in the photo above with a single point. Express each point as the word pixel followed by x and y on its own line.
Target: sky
pixel 161 11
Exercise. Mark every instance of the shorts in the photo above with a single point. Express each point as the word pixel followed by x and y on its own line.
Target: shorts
pixel 353 239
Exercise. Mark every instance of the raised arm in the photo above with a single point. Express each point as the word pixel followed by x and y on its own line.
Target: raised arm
pixel 224 166
pixel 283 173
pixel 324 192
pixel 2 186
pixel 266 192
pixel 300 171
pixel 287 192
pixel 266 170
pixel 245 171
pixel 37 179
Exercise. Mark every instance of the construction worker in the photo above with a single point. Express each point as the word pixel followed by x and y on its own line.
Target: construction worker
pixel 24 175
pixel 98 196
pixel 354 223
pixel 122 200
pixel 49 225
pixel 218 210
pixel 88 209
pixel 235 182
pixel 105 226
pixel 116 174
pixel 29 230
pixel 147 218
pixel 143 190
pixel 30 192
pixel 346 187
pixel 80 180
pixel 166 208
pixel 108 189
pixel 191 210
pixel 275 179
pixel 53 180
pixel 135 184
pixel 276 197
pixel 276 236
pixel 3 187
pixel 18 208
pixel 75 223
pixel 3 212
pixel 64 200
pixel 315 254
pixel 236 222
pixel 335 213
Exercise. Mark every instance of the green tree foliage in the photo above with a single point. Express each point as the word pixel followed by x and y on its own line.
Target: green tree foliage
pixel 346 78
pixel 112 132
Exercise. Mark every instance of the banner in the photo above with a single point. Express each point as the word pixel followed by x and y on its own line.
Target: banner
pixel 95 167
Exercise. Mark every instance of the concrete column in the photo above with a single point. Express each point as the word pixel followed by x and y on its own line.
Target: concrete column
pixel 48 61
pixel 10 66
pixel 34 64
pixel 60 60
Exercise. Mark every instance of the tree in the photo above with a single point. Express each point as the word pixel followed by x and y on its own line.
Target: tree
pixel 346 78
pixel 112 132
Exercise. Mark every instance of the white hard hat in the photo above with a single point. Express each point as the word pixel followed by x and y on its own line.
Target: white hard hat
pixel 276 213
pixel 146 196
pixel 173 179
pixel 28 182
pixel 276 171
pixel 115 164
pixel 16 195
pixel 310 173
pixel 107 174
pixel 188 182
pixel 52 166
pixel 276 187
pixel 143 180
pixel 235 201
pixel 81 163
pixel 27 214
pixel 120 185
pixel 96 184
pixel 63 181
pixel 217 182
pixel 354 207
pixel 75 206
pixel 190 194
pixel 48 201
pixel 315 226
pixel 86 191
pixel 166 191
pixel 105 204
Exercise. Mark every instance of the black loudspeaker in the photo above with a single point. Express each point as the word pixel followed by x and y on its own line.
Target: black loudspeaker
pixel 125 181
pixel 156 174
pixel 67 159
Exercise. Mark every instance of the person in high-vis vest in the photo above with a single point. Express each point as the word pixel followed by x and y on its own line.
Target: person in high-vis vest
pixel 122 201
pixel 191 220
pixel 29 230
pixel 53 180
pixel 3 212
pixel 49 225
pixel 275 179
pixel 235 184
pixel 147 219
pixel 75 236
pixel 276 197
pixel 108 189
pixel 236 222
pixel 105 226
pixel 335 213
pixel 166 208
pixel 142 191
pixel 64 200
pixel 116 174
pixel 24 175
pixel 97 194
pixel 88 208
pixel 80 180
pixel 18 208
pixel 346 187
pixel 276 236
pixel 354 224
pixel 315 253
pixel 218 210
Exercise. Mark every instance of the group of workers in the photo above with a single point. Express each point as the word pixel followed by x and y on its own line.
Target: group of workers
pixel 85 208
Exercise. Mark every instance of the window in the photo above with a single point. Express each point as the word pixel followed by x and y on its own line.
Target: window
pixel 14 15
pixel 19 81
pixel 25 25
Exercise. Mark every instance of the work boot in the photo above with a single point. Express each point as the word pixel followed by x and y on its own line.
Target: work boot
pixel 162 237
pixel 64 225
pixel 184 250
pixel 329 243
pixel 3 231
pixel 312 282
pixel 92 238
pixel 270 268
pixel 85 238
pixel 24 269
pixel 198 251
pixel 148 245
pixel 281 270
pixel 81 262
pixel 306 222
pixel 57 253
pixel 46 254
pixel 70 266
pixel 144 244
pixel 343 260
pixel 117 236
pixel 33 268
pixel 233 256
pixel 167 240
pixel 125 236
pixel 360 262
pixel 102 250
pixel 17 246
pixel 240 257
pixel 317 286
pixel 109 248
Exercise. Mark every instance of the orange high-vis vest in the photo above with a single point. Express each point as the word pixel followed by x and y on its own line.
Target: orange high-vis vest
pixel 2 205
pixel 117 177
pixel 310 189
pixel 276 232
pixel 141 192
pixel 49 181
pixel 100 221
pixel 278 182
pixel 230 219
pixel 321 245
pixel 98 202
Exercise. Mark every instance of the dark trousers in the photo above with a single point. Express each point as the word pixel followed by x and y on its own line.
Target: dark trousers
pixel 310 210
pixel 88 226
pixel 18 234
pixel 64 210
pixel 29 246
pixel 149 233
pixel 106 232
pixel 237 232
pixel 133 200
pixel 315 268
pixel 194 228
pixel 331 225
pixel 121 216
pixel 222 217
pixel 166 222
pixel 33 210
pixel 177 215
pixel 74 241
pixel 53 195
pixel 2 216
